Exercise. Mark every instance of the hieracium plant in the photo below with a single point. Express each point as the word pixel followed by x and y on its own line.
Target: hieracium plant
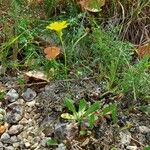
pixel 58 28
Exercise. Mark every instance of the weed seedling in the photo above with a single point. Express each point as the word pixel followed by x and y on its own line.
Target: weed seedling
pixel 84 112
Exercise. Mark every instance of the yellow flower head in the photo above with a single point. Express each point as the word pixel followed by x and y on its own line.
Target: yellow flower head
pixel 58 26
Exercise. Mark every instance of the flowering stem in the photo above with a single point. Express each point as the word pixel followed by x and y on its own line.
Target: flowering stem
pixel 65 56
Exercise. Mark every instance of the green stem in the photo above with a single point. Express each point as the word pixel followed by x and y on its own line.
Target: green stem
pixel 64 51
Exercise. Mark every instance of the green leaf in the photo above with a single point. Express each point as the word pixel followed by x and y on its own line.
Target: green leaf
pixel 82 107
pixel 92 120
pixel 147 148
pixel 114 113
pixel 145 109
pixel 51 142
pixel 93 108
pixel 113 109
pixel 69 104
pixel 68 116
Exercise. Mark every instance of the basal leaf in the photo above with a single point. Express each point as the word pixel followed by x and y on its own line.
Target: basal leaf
pixel 68 116
pixel 82 107
pixel 92 120
pixel 69 104
pixel 93 108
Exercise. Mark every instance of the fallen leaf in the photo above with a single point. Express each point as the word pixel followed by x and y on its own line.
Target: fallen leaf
pixel 52 52
pixel 37 75
pixel 92 5
pixel 143 50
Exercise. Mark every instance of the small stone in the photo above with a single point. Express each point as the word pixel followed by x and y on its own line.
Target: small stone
pixel 27 144
pixel 61 146
pixel 13 139
pixel 22 135
pixel 131 147
pixel 12 95
pixel 34 146
pixel 1 145
pixel 29 110
pixel 30 138
pixel 29 95
pixel 5 138
pixel 10 148
pixel 144 129
pixel 16 145
pixel 23 121
pixel 15 129
pixel 20 101
pixel 125 137
pixel 31 104
pixel 15 115
pixel 27 116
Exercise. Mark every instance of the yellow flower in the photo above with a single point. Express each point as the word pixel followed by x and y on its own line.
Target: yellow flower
pixel 58 26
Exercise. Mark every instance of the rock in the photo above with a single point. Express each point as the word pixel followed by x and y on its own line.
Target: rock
pixel 35 146
pixel 61 146
pixel 29 110
pixel 1 145
pixel 5 138
pixel 27 144
pixel 12 95
pixel 13 139
pixel 125 138
pixel 131 147
pixel 144 129
pixel 30 138
pixel 22 135
pixel 29 95
pixel 20 101
pixel 23 121
pixel 31 104
pixel 9 148
pixel 16 145
pixel 15 115
pixel 15 129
